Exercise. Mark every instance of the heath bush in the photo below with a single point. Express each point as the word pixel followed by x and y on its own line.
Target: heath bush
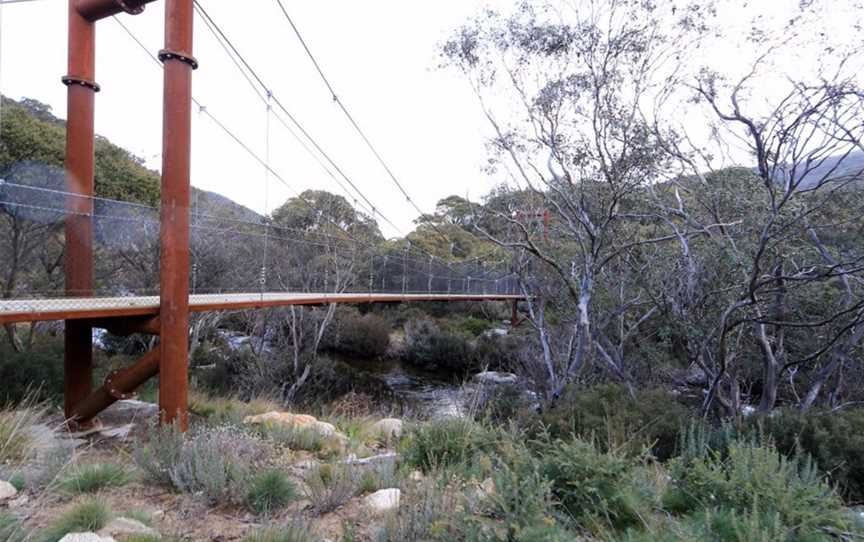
pixel 593 487
pixel 447 442
pixel 755 478
pixel 835 441
pixel 607 414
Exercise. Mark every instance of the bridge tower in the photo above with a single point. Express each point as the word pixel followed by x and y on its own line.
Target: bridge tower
pixel 80 402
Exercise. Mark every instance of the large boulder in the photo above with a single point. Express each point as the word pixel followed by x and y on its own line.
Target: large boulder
pixel 7 491
pixel 388 428
pixel 383 500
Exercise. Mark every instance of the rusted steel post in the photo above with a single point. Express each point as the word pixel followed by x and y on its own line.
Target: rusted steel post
pixel 514 313
pixel 80 163
pixel 174 214
pixel 118 385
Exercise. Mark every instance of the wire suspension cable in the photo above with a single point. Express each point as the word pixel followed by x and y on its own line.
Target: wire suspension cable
pixel 351 119
pixel 221 34
pixel 203 110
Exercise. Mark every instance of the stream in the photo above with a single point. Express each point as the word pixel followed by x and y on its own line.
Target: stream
pixel 424 393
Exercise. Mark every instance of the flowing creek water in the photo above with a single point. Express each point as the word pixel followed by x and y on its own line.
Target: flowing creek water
pixel 424 393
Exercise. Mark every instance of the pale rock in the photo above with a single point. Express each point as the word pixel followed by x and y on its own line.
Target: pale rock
pixel 375 460
pixel 495 377
pixel 7 491
pixel 122 527
pixel 383 500
pixel 86 537
pixel 416 476
pixel 387 428
pixel 323 428
pixel 298 421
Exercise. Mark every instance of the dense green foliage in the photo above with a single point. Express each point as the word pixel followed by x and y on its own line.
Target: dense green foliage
pixel 365 336
pixel 31 133
pixel 447 442
pixel 38 370
pixel 834 441
pixel 612 418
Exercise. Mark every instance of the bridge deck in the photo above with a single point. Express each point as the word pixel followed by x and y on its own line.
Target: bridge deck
pixel 72 308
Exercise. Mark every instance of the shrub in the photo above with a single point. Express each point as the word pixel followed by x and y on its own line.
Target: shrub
pixel 88 516
pixel 214 462
pixel 471 325
pixel 757 478
pixel 834 440
pixel 594 488
pixel 608 415
pixel 294 438
pixel 428 346
pixel 498 353
pixel 95 477
pixel 502 403
pixel 426 512
pixel 446 442
pixel 39 369
pixel 366 336
pixel 378 476
pixel 159 452
pixel 269 491
pixel 329 486
pixel 521 500
pixel 217 464
pixel 292 532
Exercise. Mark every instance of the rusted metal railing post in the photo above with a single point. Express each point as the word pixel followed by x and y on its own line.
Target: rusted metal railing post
pixel 174 213
pixel 80 164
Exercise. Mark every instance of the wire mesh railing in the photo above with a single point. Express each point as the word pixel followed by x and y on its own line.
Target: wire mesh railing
pixel 232 250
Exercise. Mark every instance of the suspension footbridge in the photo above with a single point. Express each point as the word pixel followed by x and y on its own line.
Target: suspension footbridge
pixel 129 268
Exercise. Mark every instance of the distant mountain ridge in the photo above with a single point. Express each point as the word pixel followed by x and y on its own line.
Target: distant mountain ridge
pixel 845 169
pixel 32 153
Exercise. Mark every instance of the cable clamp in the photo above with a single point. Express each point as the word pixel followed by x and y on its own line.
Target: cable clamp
pixel 131 10
pixel 165 54
pixel 70 80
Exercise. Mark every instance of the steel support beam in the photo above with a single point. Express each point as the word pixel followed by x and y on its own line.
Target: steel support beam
pixel 80 163
pixel 118 385
pixel 93 10
pixel 174 212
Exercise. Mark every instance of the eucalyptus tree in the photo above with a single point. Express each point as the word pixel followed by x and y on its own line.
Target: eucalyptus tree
pixel 790 295
pixel 562 85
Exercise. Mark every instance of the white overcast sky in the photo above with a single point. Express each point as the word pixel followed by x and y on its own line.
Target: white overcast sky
pixel 381 57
